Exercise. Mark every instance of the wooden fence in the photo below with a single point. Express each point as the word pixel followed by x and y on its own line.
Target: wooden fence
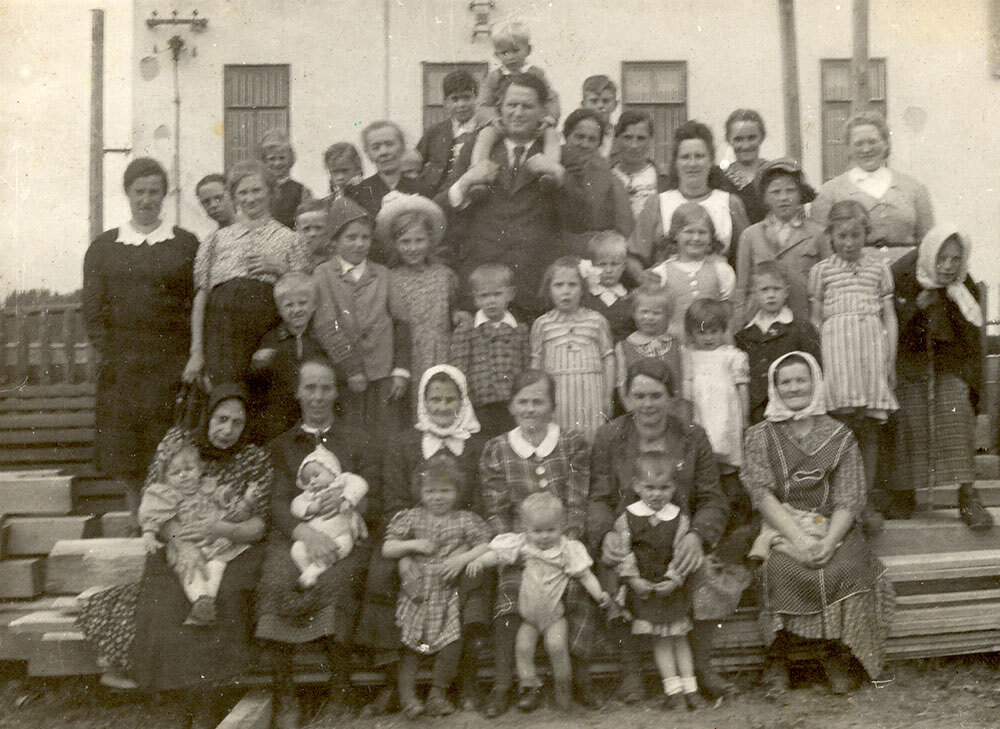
pixel 45 352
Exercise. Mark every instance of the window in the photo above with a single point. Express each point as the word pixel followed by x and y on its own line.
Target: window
pixel 256 102
pixel 837 94
pixel 659 89
pixel 434 74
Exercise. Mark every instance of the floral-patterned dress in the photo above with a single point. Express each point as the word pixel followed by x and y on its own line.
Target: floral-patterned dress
pixel 423 296
pixel 849 600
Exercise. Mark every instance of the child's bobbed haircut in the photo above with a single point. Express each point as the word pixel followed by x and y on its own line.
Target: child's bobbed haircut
pixel 442 469
pixel 606 241
pixel 567 262
pixel 510 31
pixel 532 377
pixel 655 464
pixel 655 293
pixel 488 273
pixel 771 269
pixel 249 168
pixel 541 506
pixel 275 139
pixel 847 211
pixel 342 151
pixel 705 315
pixel 294 281
pixel 631 117
pixel 687 214
pixel 459 81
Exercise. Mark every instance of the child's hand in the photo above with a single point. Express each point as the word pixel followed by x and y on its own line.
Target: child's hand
pixel 398 388
pixel 667 586
pixel 357 383
pixel 481 173
pixel 612 549
pixel 925 298
pixel 641 587
pixel 458 318
pixel 539 165
pixel 410 576
pixel 150 542
pixel 263 357
pixel 604 601
pixel 193 368
pixel 452 567
pixel 475 567
pixel 425 547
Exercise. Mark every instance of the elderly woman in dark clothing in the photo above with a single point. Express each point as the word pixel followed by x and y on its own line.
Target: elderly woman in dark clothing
pixel 652 426
pixel 138 629
pixel 939 373
pixel 137 294
pixel 289 615
pixel 445 423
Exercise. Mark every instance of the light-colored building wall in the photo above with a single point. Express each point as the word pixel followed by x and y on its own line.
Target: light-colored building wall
pixel 942 98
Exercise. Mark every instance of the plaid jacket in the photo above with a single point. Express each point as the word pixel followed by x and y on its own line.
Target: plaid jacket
pixel 491 358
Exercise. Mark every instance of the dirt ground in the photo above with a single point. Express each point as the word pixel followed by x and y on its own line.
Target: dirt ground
pixel 952 693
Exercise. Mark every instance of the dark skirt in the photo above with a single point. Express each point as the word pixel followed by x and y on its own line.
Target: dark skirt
pixel 168 655
pixel 952 448
pixel 377 629
pixel 238 313
pixel 290 614
pixel 137 381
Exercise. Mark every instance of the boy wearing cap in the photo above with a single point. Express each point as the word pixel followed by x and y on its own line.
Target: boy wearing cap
pixel 785 236
pixel 353 301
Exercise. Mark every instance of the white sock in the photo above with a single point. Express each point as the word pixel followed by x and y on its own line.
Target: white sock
pixel 672 685
pixel 689 684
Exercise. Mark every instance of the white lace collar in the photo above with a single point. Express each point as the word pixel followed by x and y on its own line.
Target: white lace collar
pixel 765 321
pixel 132 237
pixel 524 449
pixel 639 508
pixel 481 319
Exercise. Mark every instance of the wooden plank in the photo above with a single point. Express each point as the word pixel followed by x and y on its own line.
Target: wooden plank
pixel 61 654
pixel 27 535
pixel 21 578
pixel 44 404
pixel 23 456
pixel 944 534
pixel 27 421
pixel 46 436
pixel 945 619
pixel 77 564
pixel 45 494
pixel 946 497
pixel 941 598
pixel 42 391
pixel 43 621
pixel 253 711
pixel 118 524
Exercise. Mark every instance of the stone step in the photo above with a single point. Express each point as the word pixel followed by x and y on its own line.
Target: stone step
pixel 22 578
pixel 937 532
pixel 30 535
pixel 118 525
pixel 78 564
pixel 35 492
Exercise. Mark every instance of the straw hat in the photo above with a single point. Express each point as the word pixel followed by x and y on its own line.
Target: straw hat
pixel 396 203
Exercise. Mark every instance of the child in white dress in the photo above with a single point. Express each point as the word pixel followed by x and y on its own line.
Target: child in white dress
pixel 717 384
pixel 550 560
pixel 183 495
pixel 320 477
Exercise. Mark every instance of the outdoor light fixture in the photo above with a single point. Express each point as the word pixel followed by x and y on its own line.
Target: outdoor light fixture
pixel 481 17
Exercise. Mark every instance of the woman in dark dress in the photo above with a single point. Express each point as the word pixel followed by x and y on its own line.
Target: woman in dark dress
pixel 137 292
pixel 325 613
pixel 138 629
pixel 937 304
pixel 445 422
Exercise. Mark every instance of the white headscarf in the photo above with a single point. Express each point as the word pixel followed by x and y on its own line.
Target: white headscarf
pixel 324 458
pixel 464 425
pixel 927 270
pixel 777 411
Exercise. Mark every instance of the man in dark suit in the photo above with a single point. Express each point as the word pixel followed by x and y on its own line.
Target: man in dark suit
pixel 443 142
pixel 519 220
pixel 384 146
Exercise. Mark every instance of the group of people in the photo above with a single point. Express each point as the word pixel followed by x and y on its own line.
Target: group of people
pixel 519 388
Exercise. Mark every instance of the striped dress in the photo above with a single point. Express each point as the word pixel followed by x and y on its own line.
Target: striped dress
pixel 573 348
pixel 854 338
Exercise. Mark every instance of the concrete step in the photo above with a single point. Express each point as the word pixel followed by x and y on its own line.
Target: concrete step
pixel 118 525
pixel 35 492
pixel 22 578
pixel 938 532
pixel 78 564
pixel 30 535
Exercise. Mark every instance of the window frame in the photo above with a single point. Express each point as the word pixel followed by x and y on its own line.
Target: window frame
pixel 432 73
pixel 231 111
pixel 878 84
pixel 662 138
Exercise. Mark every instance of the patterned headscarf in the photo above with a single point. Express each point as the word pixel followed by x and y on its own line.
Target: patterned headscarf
pixel 957 291
pixel 777 411
pixel 452 437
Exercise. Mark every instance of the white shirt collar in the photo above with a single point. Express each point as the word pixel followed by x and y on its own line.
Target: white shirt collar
pixel 765 321
pixel 355 271
pixel 524 449
pixel 873 183
pixel 608 294
pixel 510 144
pixel 132 237
pixel 481 319
pixel 640 509
pixel 312 430
pixel 458 130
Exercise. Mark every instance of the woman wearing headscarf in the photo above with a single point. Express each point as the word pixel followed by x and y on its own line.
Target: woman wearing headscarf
pixel 445 423
pixel 939 372
pixel 820 579
pixel 139 628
